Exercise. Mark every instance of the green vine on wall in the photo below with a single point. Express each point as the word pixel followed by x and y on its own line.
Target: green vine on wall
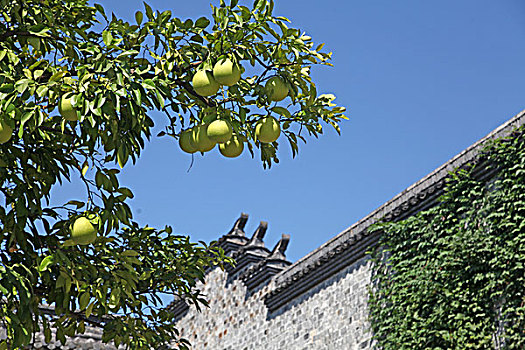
pixel 453 276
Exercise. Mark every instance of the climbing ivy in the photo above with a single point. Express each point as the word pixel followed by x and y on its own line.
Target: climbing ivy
pixel 453 276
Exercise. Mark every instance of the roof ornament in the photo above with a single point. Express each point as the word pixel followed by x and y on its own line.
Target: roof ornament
pixel 280 248
pixel 238 226
pixel 258 235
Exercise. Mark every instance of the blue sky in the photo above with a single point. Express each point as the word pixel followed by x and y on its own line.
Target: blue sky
pixel 422 80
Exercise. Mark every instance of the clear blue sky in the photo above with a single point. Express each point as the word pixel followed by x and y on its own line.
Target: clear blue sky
pixel 422 80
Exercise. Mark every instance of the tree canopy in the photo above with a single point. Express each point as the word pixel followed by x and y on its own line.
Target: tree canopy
pixel 77 87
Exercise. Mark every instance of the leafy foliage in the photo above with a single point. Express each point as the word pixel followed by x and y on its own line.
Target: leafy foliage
pixel 453 277
pixel 114 74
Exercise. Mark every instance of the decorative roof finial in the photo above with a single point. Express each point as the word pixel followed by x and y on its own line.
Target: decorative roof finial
pixel 280 248
pixel 258 235
pixel 238 227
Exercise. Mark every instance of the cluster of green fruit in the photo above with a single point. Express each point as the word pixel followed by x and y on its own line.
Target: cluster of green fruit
pixel 204 137
pixel 225 72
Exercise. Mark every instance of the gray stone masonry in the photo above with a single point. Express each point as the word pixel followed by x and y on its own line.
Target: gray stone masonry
pixel 330 316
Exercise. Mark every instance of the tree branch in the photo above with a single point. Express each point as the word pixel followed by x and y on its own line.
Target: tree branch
pixel 11 33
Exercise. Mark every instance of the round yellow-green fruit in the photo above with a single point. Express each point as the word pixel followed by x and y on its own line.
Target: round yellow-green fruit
pixel 200 138
pixel 66 109
pixel 186 141
pixel 219 131
pixel 204 84
pixel 233 148
pixel 267 130
pixel 83 231
pixel 276 89
pixel 226 72
pixel 5 132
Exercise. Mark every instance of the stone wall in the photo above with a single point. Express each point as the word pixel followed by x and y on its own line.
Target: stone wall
pixel 330 316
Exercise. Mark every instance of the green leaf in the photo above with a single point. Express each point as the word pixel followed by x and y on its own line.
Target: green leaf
pixel 202 22
pixel 85 168
pixel 125 191
pixel 100 9
pixel 78 204
pixel 46 262
pixel 89 309
pixel 149 11
pixel 138 17
pixel 58 75
pixel 282 111
pixel 68 243
pixel 329 97
pixel 100 179
pixel 129 253
pixel 122 156
pixel 107 37
pixel 83 300
pixel 7 88
pixel 148 84
pixel 21 85
pixel 114 298
pixel 39 30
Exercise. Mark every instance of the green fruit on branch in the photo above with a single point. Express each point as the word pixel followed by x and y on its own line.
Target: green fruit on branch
pixel 186 141
pixel 226 72
pixel 66 109
pixel 200 138
pixel 5 132
pixel 267 130
pixel 233 148
pixel 219 131
pixel 276 89
pixel 204 84
pixel 83 231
